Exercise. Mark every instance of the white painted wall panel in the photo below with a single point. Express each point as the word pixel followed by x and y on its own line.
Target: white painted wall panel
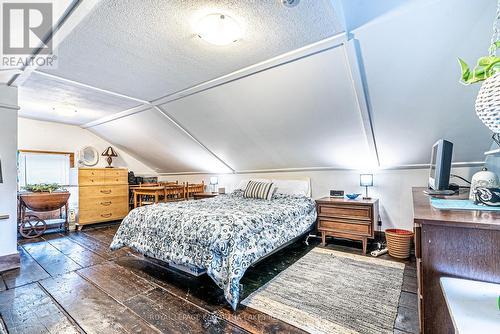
pixel 392 187
pixel 49 136
pixel 8 157
pixel 410 58
pixel 301 114
pixel 158 143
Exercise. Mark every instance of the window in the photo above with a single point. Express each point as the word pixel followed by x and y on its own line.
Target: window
pixel 44 167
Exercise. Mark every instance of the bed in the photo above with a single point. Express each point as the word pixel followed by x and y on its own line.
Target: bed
pixel 222 236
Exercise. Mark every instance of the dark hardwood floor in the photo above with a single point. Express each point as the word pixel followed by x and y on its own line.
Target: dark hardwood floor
pixel 74 284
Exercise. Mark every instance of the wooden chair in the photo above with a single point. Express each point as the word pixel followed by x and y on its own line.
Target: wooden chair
pixel 148 195
pixel 175 192
pixel 171 183
pixel 194 188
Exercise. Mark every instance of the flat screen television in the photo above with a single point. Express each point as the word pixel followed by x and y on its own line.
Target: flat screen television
pixel 439 173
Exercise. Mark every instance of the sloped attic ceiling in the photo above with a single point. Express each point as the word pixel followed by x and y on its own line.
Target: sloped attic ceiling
pixel 411 72
pixel 379 94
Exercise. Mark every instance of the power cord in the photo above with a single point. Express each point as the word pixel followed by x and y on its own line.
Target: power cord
pixel 461 178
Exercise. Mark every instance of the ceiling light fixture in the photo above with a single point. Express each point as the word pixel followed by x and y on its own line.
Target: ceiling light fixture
pixel 218 29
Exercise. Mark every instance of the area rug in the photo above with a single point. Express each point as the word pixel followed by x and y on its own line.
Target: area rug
pixel 333 292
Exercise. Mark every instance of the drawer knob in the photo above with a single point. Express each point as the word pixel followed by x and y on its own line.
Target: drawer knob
pixel 106 191
pixel 106 215
pixel 108 203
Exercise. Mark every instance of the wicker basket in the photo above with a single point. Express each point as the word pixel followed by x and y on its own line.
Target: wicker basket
pixel 488 103
pixel 399 242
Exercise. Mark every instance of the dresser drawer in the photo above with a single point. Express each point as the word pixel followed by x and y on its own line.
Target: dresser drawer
pixel 102 192
pixel 107 202
pixel 115 176
pixel 105 214
pixel 346 211
pixel 344 226
pixel 90 177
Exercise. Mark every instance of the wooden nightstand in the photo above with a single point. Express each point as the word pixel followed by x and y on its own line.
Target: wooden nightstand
pixel 350 219
pixel 204 195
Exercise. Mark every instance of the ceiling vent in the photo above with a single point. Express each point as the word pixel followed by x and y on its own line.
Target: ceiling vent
pixel 290 3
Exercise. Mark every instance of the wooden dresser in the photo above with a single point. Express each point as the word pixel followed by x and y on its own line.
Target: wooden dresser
pixel 451 243
pixel 102 195
pixel 351 219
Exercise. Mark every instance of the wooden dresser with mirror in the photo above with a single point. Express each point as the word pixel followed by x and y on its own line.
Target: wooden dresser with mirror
pixel 102 195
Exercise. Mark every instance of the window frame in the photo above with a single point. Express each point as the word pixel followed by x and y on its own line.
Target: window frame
pixel 71 155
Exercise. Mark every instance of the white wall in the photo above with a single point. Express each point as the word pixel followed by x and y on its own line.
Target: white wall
pixel 493 161
pixel 8 156
pixel 392 187
pixel 50 136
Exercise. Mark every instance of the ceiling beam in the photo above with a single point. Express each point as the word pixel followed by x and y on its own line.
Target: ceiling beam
pixel 359 86
pixel 72 16
pixel 77 83
pixel 190 135
pixel 333 168
pixel 306 51
pixel 282 59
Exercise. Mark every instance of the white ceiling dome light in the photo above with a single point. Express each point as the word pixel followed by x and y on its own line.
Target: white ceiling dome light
pixel 218 29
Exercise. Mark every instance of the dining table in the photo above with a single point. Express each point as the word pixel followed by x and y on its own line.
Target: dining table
pixel 171 192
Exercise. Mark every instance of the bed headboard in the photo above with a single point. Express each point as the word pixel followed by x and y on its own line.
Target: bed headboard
pixel 306 179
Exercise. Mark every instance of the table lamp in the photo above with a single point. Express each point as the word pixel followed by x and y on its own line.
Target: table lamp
pixel 366 180
pixel 110 153
pixel 214 181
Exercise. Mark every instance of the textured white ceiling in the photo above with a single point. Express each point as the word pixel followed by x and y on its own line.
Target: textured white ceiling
pixel 302 114
pixel 299 115
pixel 148 49
pixel 51 99
pixel 158 143
pixel 410 58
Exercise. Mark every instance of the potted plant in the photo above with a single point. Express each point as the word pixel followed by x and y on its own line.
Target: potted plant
pixel 487 71
pixel 42 187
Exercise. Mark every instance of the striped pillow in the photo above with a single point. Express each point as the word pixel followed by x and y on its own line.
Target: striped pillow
pixel 259 190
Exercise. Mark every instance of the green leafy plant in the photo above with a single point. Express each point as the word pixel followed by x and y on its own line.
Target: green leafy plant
pixel 42 187
pixel 486 67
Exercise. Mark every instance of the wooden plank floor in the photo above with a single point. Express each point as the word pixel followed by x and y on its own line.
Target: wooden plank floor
pixel 74 284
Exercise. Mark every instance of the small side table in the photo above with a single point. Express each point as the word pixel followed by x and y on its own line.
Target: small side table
pixel 204 195
pixel 350 219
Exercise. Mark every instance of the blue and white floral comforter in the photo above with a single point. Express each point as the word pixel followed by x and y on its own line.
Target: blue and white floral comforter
pixel 222 235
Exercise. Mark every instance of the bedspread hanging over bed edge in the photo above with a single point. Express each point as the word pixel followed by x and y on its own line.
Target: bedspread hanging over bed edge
pixel 222 235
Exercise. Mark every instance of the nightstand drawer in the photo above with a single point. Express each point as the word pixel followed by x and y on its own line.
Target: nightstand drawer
pixel 338 225
pixel 346 211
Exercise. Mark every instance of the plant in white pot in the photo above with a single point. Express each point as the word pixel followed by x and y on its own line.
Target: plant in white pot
pixel 487 71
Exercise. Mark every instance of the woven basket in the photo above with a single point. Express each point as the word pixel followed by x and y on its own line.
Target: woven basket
pixel 488 103
pixel 399 242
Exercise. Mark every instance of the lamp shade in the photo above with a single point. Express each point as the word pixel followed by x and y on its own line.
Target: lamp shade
pixel 109 152
pixel 214 180
pixel 366 180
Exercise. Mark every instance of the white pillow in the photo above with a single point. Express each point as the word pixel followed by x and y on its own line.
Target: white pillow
pixel 243 183
pixel 292 187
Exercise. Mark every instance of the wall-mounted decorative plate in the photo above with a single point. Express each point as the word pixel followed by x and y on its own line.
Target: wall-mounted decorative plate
pixel 88 156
